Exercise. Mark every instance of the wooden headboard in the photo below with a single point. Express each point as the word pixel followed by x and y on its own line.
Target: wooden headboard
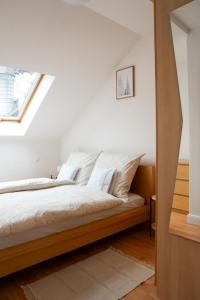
pixel 144 182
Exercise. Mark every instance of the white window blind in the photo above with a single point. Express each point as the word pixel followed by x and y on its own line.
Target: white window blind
pixel 16 87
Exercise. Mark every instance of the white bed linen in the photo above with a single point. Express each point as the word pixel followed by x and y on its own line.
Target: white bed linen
pixel 133 201
pixel 31 184
pixel 29 209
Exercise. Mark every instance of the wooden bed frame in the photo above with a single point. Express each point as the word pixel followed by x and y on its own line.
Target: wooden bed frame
pixel 18 257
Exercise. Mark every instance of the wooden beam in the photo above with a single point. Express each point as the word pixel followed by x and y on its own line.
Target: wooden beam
pixel 178 259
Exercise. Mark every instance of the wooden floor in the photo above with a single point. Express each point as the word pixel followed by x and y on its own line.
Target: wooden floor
pixel 134 242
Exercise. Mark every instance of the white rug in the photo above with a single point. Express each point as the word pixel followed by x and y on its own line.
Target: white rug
pixel 108 275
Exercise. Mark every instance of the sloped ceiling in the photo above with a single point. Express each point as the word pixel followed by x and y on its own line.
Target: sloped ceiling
pixel 189 14
pixel 73 43
pixel 136 15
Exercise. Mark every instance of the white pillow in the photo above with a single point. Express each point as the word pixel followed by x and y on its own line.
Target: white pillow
pixel 101 179
pixel 68 172
pixel 126 167
pixel 86 162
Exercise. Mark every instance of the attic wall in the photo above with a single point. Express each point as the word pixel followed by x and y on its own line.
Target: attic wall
pixel 78 47
pixel 21 159
pixel 72 43
pixel 120 125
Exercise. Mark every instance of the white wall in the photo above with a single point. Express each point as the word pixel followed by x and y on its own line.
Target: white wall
pixel 21 159
pixel 180 40
pixel 183 86
pixel 120 125
pixel 78 47
pixel 194 95
pixel 72 43
pixel 81 49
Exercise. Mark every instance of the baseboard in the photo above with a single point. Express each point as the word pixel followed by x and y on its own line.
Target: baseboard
pixel 193 219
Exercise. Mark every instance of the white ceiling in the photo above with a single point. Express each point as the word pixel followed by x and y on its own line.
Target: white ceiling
pixel 189 14
pixel 78 45
pixel 76 2
pixel 136 15
pixel 73 43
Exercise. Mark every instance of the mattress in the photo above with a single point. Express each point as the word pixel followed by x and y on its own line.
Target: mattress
pixel 132 202
pixel 26 210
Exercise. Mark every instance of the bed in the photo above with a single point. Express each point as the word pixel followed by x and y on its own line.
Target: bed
pixel 23 249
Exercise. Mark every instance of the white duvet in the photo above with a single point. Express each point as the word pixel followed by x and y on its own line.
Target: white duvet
pixel 31 184
pixel 26 210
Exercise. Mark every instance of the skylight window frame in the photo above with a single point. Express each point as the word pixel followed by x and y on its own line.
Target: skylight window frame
pixel 28 101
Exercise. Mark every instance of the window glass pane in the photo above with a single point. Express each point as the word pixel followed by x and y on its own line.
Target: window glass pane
pixel 16 87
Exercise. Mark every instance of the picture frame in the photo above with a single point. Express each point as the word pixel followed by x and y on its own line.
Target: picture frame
pixel 125 83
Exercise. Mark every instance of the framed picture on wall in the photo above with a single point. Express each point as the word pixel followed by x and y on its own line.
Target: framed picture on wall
pixel 125 83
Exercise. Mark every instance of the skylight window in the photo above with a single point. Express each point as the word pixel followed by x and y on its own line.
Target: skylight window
pixel 17 88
